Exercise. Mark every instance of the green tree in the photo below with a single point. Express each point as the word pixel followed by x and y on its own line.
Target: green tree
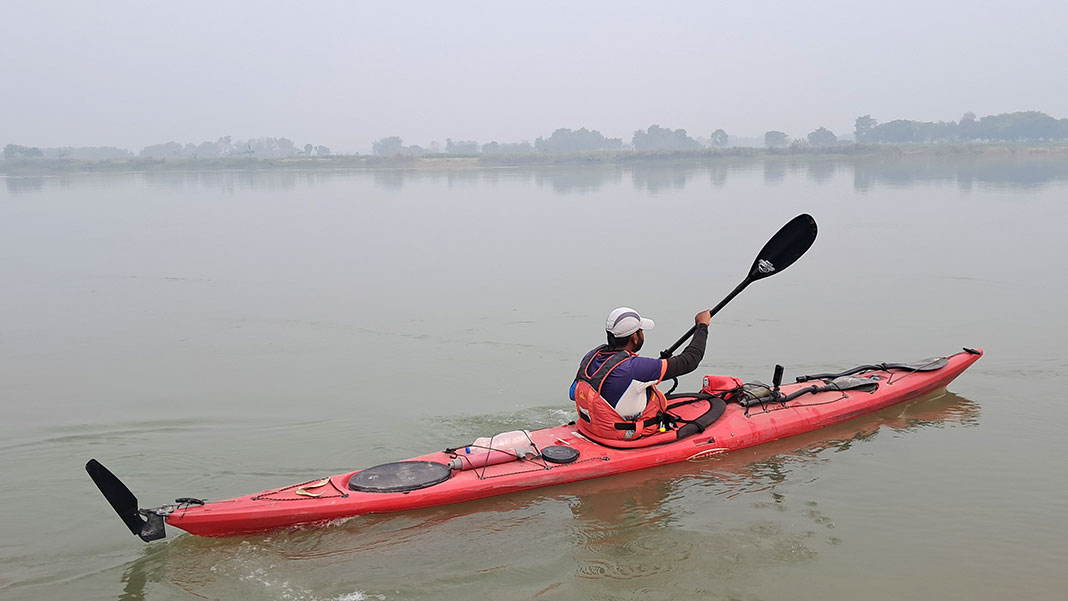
pixel 226 146
pixel 662 138
pixel 1024 126
pixel 720 139
pixel 775 139
pixel 387 147
pixel 207 149
pixel 507 148
pixel 167 150
pixel 14 151
pixel 966 126
pixel 822 137
pixel 864 125
pixel 271 147
pixel 461 146
pixel 580 140
pixel 898 131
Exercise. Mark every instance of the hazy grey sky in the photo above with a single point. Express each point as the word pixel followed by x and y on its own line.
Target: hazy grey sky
pixel 343 74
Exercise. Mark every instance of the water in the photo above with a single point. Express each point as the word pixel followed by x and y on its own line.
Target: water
pixel 215 334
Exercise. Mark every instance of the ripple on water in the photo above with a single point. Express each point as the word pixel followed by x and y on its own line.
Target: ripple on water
pixel 251 570
pixel 667 546
pixel 621 570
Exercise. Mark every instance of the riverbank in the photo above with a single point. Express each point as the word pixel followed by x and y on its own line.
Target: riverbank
pixel 17 167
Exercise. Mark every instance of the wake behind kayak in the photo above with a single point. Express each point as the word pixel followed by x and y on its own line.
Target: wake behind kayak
pixel 520 460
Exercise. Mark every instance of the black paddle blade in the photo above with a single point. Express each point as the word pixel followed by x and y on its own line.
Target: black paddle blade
pixel 785 247
pixel 122 500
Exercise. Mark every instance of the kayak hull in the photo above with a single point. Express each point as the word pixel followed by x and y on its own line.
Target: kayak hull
pixel 329 498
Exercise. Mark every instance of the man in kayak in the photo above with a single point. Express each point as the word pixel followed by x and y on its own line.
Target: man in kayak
pixel 615 389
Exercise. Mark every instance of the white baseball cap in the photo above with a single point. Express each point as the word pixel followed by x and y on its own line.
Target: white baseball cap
pixel 624 321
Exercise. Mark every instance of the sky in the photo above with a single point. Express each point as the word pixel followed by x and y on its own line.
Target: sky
pixel 344 74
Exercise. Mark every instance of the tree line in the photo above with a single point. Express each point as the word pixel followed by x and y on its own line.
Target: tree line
pixel 652 139
pixel 1019 127
pixel 1024 126
pixel 227 147
pixel 223 147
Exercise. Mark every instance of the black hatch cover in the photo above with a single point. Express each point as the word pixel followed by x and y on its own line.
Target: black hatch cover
pixel 402 476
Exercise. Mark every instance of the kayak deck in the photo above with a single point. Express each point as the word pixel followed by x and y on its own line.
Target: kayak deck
pixel 330 498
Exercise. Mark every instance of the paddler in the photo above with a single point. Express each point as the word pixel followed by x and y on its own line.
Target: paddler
pixel 615 389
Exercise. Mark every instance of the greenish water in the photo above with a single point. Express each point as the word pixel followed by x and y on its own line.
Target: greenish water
pixel 215 334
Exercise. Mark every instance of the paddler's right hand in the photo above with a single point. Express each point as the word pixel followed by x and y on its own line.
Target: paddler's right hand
pixel 704 317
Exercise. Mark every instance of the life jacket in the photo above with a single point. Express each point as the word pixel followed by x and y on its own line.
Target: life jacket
pixel 599 420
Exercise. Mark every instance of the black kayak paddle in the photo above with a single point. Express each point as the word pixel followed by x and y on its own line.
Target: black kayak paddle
pixel 785 247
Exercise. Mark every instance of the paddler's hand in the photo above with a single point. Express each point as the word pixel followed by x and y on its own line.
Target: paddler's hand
pixel 704 317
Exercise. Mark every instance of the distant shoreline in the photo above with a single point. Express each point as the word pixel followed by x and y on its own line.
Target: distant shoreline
pixel 39 166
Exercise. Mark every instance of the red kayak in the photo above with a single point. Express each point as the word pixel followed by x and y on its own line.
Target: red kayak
pixel 709 423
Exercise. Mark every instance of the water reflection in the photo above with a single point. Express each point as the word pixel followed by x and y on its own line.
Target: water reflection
pixel 389 179
pixel 137 575
pixel 822 171
pixel 718 174
pixel 18 185
pixel 659 178
pixel 773 463
pixel 1018 171
pixel 671 521
pixel 763 467
pixel 577 180
pixel 229 181
pixel 774 172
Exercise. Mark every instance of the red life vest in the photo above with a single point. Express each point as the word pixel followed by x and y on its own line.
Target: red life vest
pixel 598 419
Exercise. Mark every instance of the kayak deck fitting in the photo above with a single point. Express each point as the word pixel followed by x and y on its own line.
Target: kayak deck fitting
pixel 754 415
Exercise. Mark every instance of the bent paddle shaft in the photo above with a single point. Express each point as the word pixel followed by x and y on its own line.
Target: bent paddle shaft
pixel 784 248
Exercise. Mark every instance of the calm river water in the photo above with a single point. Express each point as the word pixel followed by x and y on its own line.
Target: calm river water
pixel 216 334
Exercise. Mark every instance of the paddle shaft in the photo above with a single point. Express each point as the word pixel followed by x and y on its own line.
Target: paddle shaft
pixel 786 246
pixel 667 353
